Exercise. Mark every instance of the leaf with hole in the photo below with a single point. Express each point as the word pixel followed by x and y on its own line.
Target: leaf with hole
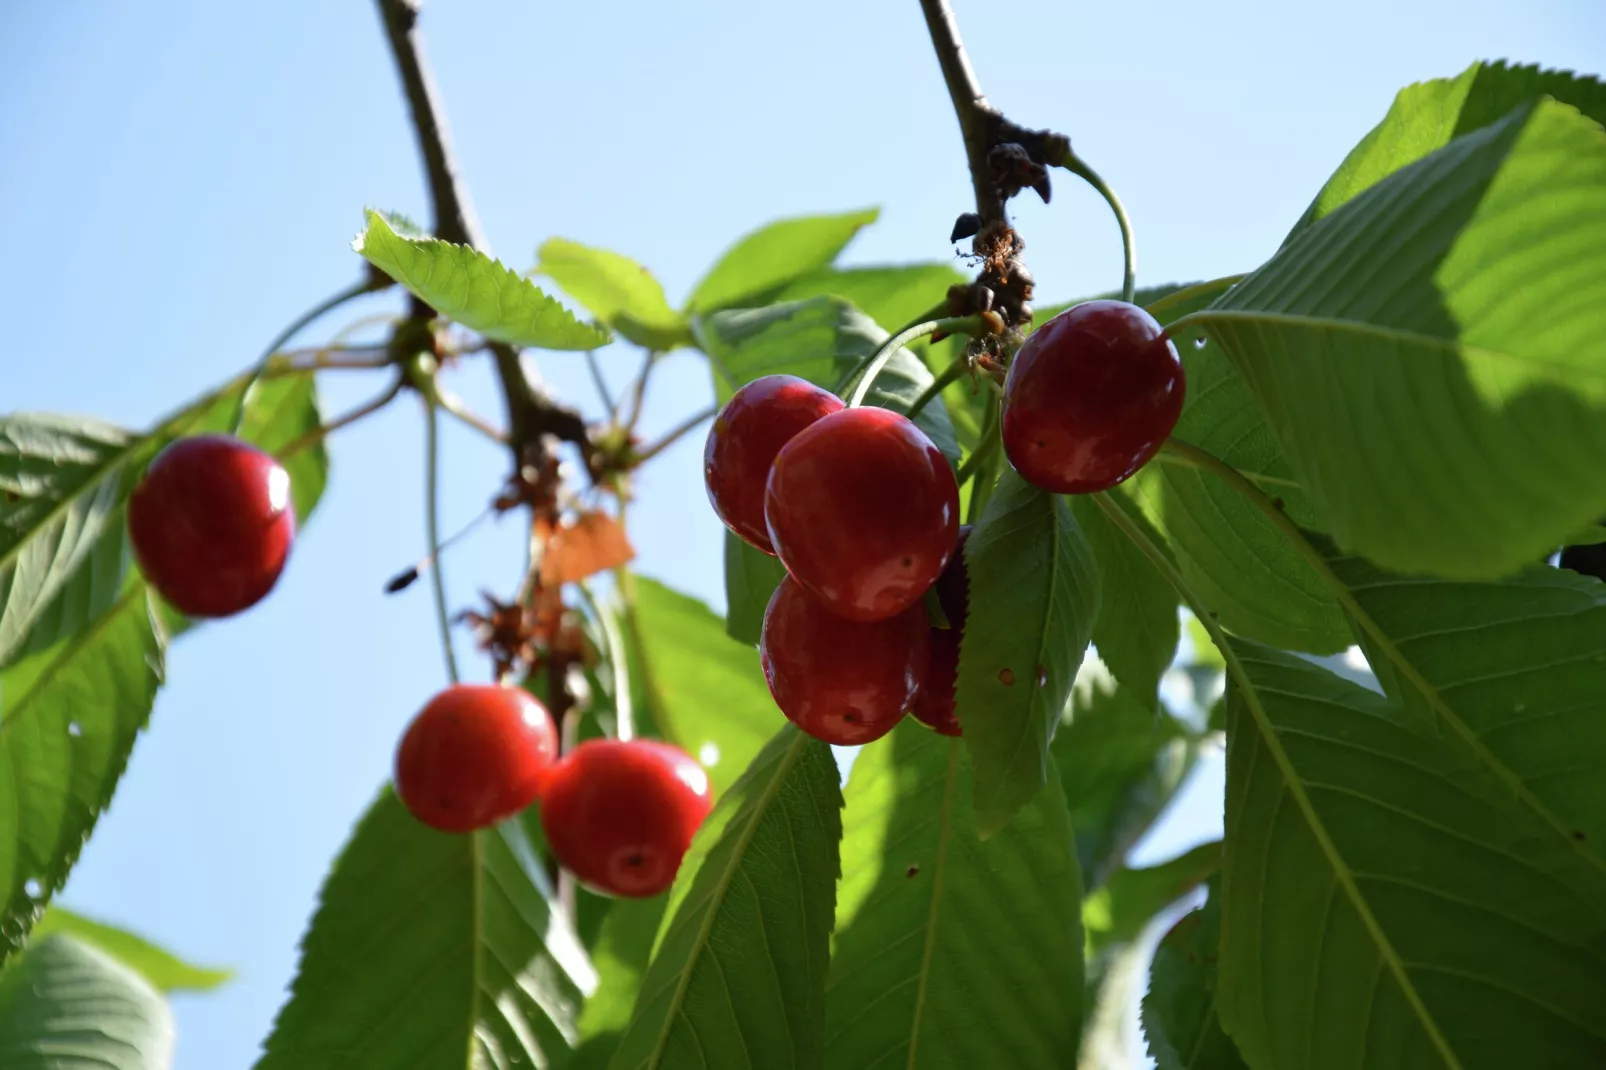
pixel 65 1004
pixel 1432 354
pixel 475 290
pixel 1384 897
pixel 738 972
pixel 1034 595
pixel 432 949
pixel 950 950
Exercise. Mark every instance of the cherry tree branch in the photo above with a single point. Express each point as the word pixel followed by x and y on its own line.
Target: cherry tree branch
pixel 976 116
pixel 530 414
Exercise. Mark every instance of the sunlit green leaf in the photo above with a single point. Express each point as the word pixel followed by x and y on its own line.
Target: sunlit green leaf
pixel 772 256
pixel 471 288
pixel 751 577
pixel 1136 631
pixel 892 296
pixel 160 967
pixel 620 953
pixel 616 290
pixel 951 951
pixel 738 974
pixel 435 950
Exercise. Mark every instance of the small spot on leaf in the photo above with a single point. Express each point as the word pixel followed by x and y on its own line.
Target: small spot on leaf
pixel 912 872
pixel 1580 835
pixel 1006 676
pixel 1042 676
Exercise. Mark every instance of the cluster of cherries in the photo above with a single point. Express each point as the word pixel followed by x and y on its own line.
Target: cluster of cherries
pixel 863 510
pixel 211 525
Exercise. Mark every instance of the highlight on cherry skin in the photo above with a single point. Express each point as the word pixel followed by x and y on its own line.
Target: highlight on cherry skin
pixel 1090 397
pixel 620 815
pixel 211 524
pixel 934 702
pixel 842 681
pixel 474 755
pixel 749 431
pixel 863 511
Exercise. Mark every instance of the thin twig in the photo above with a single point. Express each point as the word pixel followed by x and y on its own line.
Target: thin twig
pixel 323 431
pixel 455 408
pixel 976 116
pixel 638 389
pixel 681 429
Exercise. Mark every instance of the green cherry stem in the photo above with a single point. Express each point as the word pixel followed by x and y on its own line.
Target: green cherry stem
pixel 1129 248
pixel 980 462
pixel 957 367
pixel 367 284
pixel 675 434
pixel 432 530
pixel 867 369
pixel 603 393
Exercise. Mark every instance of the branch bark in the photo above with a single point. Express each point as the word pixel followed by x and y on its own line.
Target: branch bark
pixel 530 415
pixel 976 116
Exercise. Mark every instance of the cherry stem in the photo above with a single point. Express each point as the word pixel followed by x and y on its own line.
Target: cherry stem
pixel 680 430
pixel 867 369
pixel 638 390
pixel 454 407
pixel 599 382
pixel 1129 248
pixel 432 531
pixel 323 431
pixel 986 447
pixel 624 716
pixel 367 284
pixel 957 367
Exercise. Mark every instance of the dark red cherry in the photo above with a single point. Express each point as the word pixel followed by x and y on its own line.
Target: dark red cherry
pixel 620 815
pixel 211 524
pixel 863 512
pixel 475 755
pixel 934 703
pixel 1090 397
pixel 842 681
pixel 749 431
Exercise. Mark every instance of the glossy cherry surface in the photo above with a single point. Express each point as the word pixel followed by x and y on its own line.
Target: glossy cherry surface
pixel 1090 397
pixel 863 511
pixel 842 681
pixel 934 703
pixel 211 524
pixel 620 815
pixel 749 431
pixel 474 755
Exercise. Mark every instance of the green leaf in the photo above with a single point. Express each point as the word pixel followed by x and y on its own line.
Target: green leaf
pixel 616 290
pixel 1034 595
pixel 621 954
pixel 1429 115
pixel 774 255
pixel 166 971
pixel 950 951
pixel 1121 762
pixel 279 411
pixel 432 950
pixel 1512 670
pixel 1135 633
pixel 1228 552
pixel 892 296
pixel 820 340
pixel 60 488
pixel 751 577
pixel 738 974
pixel 1179 1010
pixel 68 1006
pixel 475 290
pixel 1431 354
pixel 708 692
pixel 1382 893
pixel 1119 912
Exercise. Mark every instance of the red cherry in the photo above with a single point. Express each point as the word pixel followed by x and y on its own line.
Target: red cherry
pixel 1090 397
pixel 841 681
pixel 211 525
pixel 620 815
pixel 475 755
pixel 749 431
pixel 863 511
pixel 934 703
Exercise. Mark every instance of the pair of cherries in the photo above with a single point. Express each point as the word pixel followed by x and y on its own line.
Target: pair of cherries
pixel 617 814
pixel 863 510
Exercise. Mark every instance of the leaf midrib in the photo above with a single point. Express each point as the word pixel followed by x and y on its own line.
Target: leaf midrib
pixel 944 838
pixel 1562 373
pixel 738 851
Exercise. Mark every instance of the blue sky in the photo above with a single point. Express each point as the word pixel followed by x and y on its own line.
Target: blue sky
pixel 182 178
